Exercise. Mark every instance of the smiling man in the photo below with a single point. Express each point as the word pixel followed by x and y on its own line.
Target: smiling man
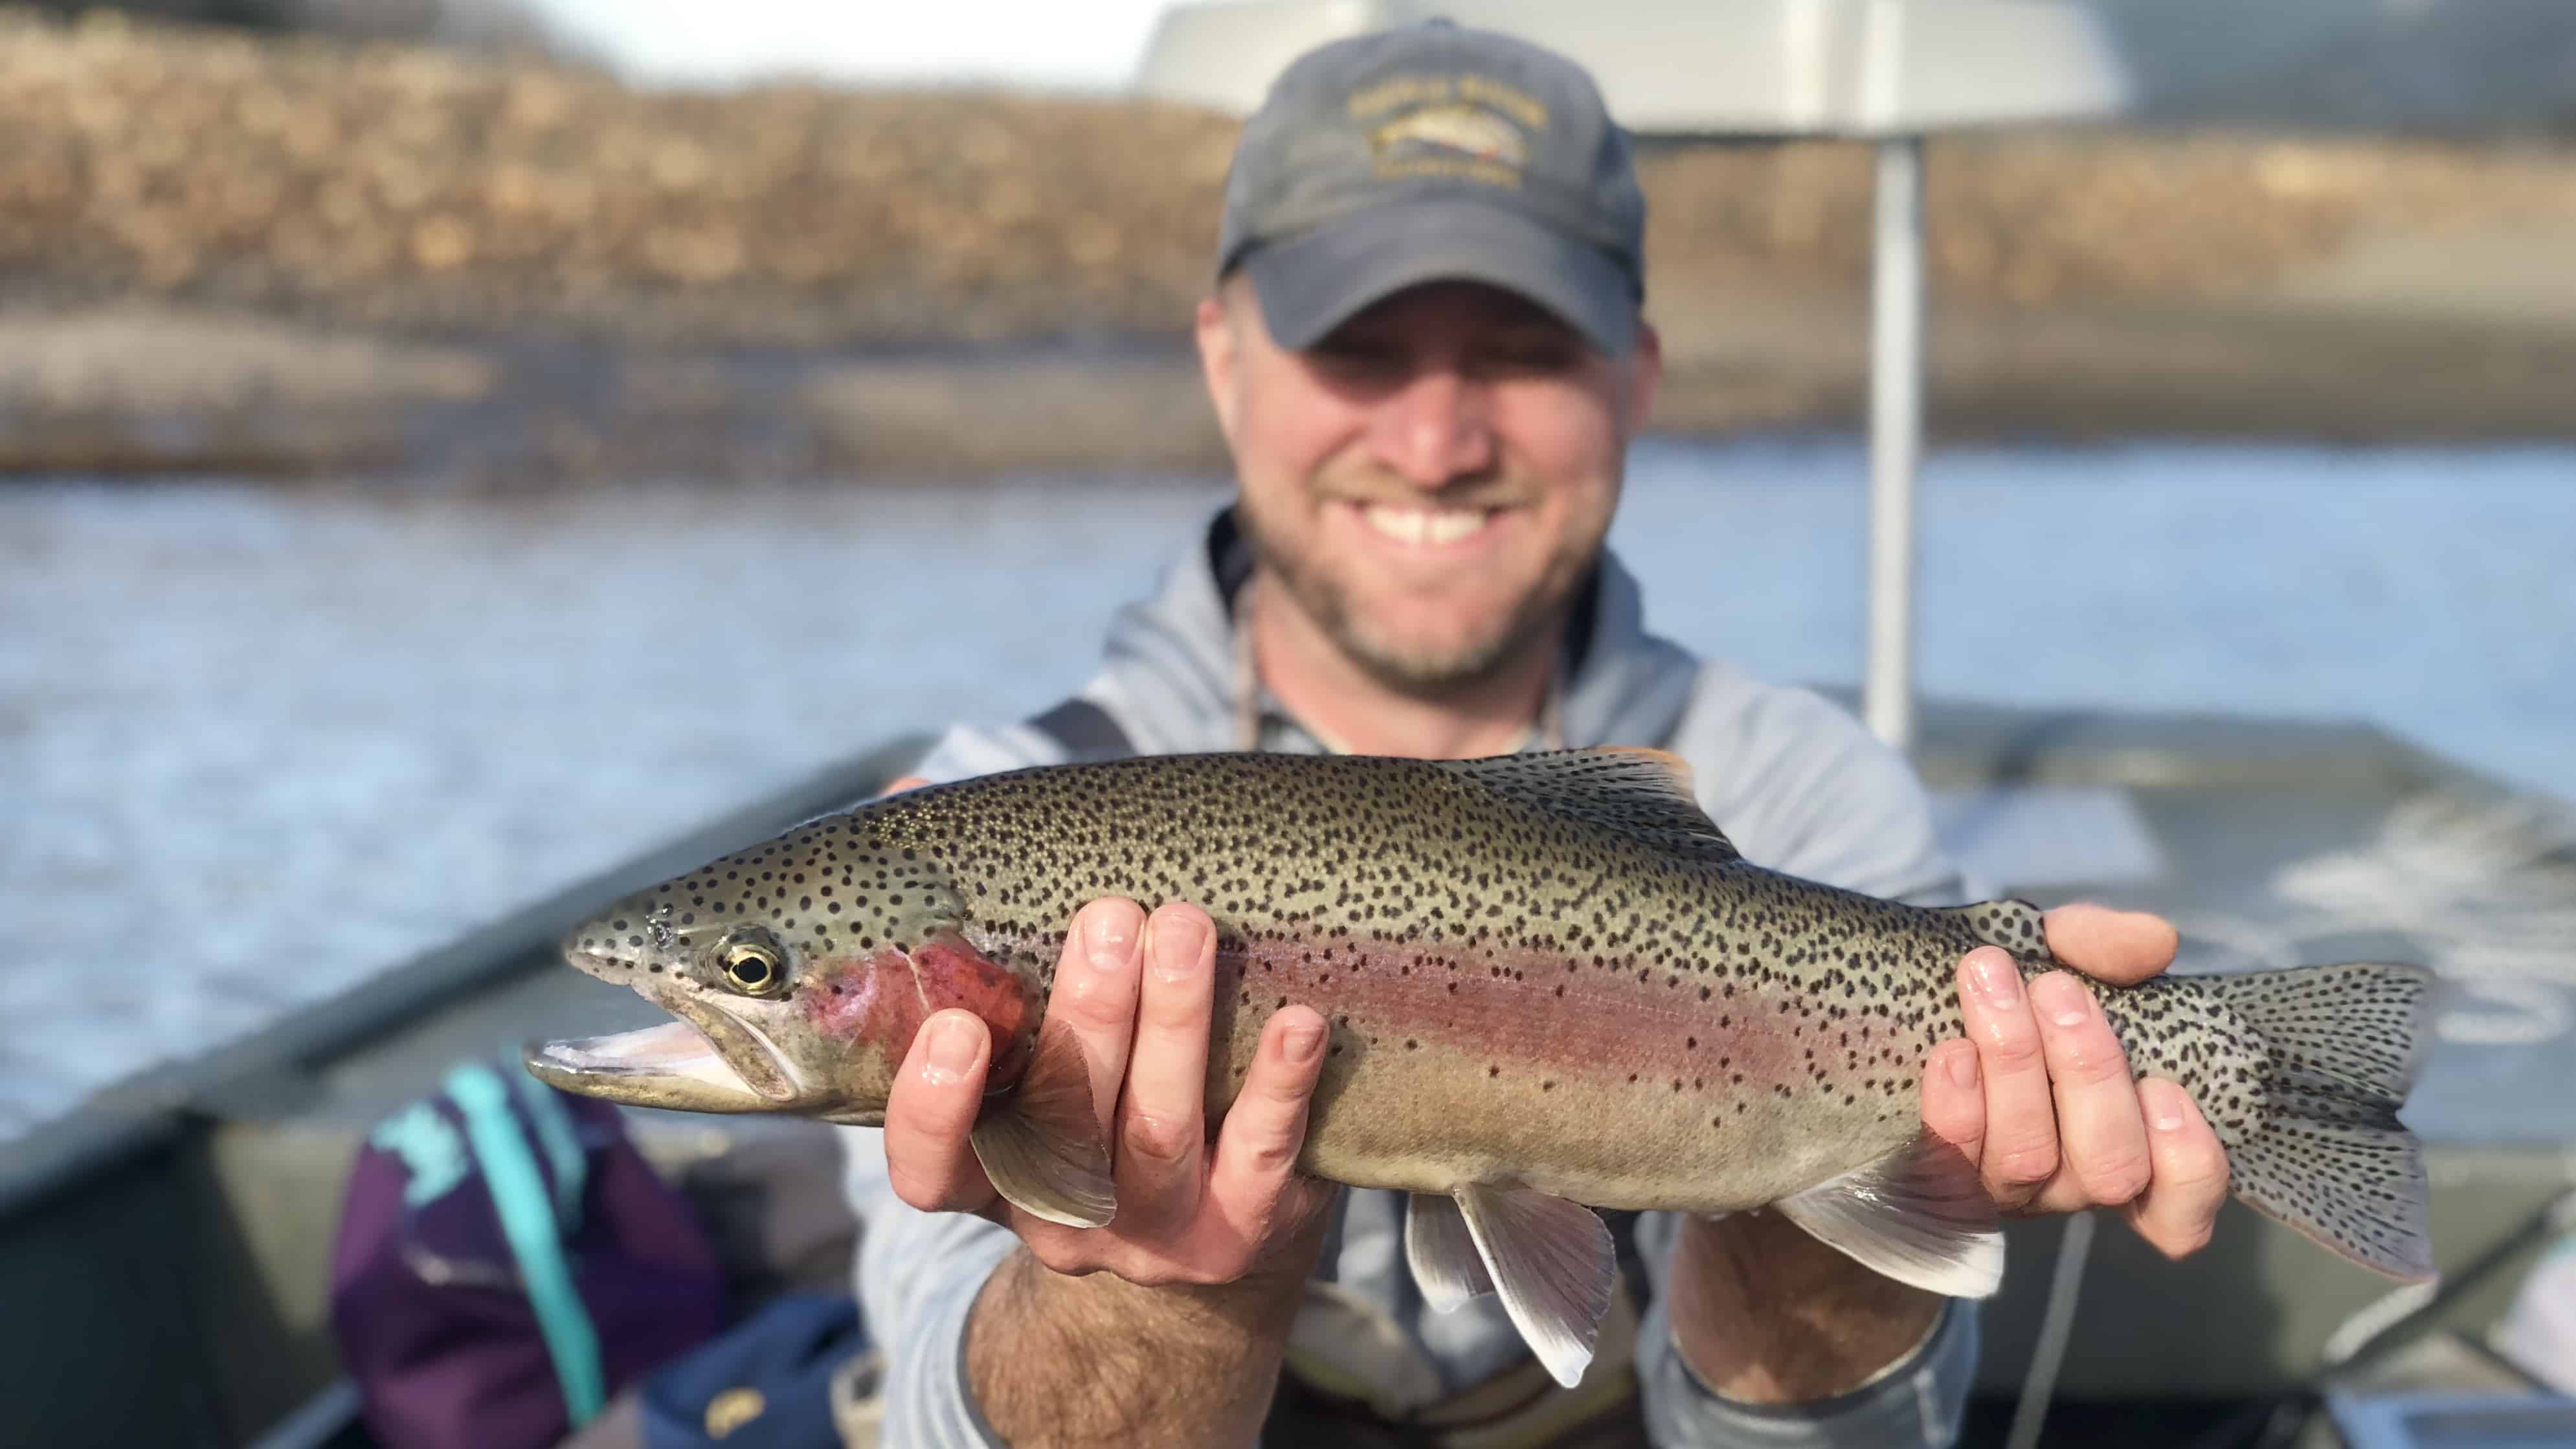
pixel 1426 349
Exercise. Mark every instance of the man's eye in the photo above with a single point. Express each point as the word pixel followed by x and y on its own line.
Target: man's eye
pixel 1536 355
pixel 1360 361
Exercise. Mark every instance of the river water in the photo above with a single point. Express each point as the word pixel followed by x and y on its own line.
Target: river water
pixel 256 744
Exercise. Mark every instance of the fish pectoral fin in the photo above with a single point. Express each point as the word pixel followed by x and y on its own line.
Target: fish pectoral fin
pixel 1043 1149
pixel 1442 1253
pixel 1554 1264
pixel 1918 1215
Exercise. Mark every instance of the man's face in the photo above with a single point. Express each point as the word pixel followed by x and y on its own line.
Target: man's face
pixel 1431 480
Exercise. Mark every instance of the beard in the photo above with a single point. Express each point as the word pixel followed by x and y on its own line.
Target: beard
pixel 1412 668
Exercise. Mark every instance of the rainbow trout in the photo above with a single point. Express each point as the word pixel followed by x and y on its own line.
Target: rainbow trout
pixel 1552 983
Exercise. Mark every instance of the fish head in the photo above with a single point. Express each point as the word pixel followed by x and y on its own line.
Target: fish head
pixel 798 973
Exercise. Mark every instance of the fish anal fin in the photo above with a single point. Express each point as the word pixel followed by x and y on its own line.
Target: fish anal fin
pixel 1442 1253
pixel 1643 792
pixel 1042 1145
pixel 1918 1214
pixel 1554 1265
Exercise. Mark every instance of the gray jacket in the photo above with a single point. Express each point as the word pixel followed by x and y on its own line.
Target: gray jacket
pixel 1795 781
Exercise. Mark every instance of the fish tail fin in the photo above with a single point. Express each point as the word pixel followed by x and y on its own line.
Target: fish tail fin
pixel 2329 1157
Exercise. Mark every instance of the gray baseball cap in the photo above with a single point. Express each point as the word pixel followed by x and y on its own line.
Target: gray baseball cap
pixel 1427 153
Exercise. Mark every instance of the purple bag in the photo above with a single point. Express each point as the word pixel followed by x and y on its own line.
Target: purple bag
pixel 506 1262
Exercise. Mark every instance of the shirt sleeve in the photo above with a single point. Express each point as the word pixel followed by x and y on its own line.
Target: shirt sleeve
pixel 918 1277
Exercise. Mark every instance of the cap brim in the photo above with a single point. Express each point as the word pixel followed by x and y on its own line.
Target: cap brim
pixel 1315 281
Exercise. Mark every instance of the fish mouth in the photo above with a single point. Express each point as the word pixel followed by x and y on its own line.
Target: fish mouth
pixel 679 1066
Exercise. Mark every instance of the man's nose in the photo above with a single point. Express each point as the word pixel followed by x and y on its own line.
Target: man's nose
pixel 1436 429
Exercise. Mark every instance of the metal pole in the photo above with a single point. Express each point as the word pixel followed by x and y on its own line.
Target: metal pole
pixel 1895 438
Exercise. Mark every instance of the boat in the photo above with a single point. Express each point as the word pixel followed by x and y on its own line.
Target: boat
pixel 176 1230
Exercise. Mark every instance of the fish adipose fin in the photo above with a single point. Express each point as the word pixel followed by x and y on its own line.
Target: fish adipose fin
pixel 2012 923
pixel 1917 1215
pixel 1553 1263
pixel 1442 1253
pixel 2330 1159
pixel 1644 792
pixel 1042 1146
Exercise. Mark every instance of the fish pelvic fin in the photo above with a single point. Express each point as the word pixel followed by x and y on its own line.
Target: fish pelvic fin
pixel 1643 792
pixel 2328 1156
pixel 1918 1215
pixel 1442 1253
pixel 1042 1146
pixel 1554 1264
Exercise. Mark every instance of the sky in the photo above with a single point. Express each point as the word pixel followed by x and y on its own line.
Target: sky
pixel 1051 44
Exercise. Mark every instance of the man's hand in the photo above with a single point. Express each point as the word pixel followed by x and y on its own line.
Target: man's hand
pixel 2040 1096
pixel 1132 1001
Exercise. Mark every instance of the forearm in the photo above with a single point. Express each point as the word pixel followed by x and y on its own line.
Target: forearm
pixel 1073 1361
pixel 1765 1314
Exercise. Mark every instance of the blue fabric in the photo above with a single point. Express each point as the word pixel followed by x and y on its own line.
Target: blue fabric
pixel 535 1236
pixel 784 1356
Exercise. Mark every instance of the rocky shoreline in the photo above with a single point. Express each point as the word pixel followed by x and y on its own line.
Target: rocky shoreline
pixel 293 254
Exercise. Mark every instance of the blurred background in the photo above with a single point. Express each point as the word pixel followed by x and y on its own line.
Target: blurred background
pixel 448 447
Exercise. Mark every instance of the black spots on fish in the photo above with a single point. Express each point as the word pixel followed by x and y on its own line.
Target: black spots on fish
pixel 635 940
pixel 617 925
pixel 1492 1071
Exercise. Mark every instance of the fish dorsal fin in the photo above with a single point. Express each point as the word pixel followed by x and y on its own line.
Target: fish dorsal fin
pixel 1554 1264
pixel 1643 792
pixel 1918 1215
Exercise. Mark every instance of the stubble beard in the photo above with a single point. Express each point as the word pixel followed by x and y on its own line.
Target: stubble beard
pixel 1429 674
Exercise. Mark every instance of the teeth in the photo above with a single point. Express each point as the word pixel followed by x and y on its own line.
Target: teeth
pixel 1423 525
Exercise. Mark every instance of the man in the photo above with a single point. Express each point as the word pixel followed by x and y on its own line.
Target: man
pixel 1426 352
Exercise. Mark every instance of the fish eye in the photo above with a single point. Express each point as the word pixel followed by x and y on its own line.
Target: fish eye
pixel 753 968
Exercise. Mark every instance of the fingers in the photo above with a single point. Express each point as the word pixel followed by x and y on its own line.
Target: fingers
pixel 908 782
pixel 1092 1007
pixel 1257 1148
pixel 2189 1185
pixel 2101 1134
pixel 2020 1111
pixel 929 1112
pixel 2121 947
pixel 1161 1119
pixel 1954 1097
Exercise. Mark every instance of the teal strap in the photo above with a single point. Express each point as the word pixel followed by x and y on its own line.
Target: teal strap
pixel 555 1133
pixel 528 1221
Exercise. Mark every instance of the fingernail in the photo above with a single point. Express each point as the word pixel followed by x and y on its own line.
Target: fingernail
pixel 952 1049
pixel 1997 980
pixel 1963 1067
pixel 2164 1108
pixel 1174 941
pixel 2065 1003
pixel 1105 939
pixel 1303 1041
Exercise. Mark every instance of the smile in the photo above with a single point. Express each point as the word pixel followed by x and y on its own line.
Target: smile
pixel 1427 527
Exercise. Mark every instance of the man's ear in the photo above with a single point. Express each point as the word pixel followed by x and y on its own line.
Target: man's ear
pixel 1217 359
pixel 1645 374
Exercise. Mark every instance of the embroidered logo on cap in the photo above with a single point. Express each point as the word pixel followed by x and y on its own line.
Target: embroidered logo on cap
pixel 1468 127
